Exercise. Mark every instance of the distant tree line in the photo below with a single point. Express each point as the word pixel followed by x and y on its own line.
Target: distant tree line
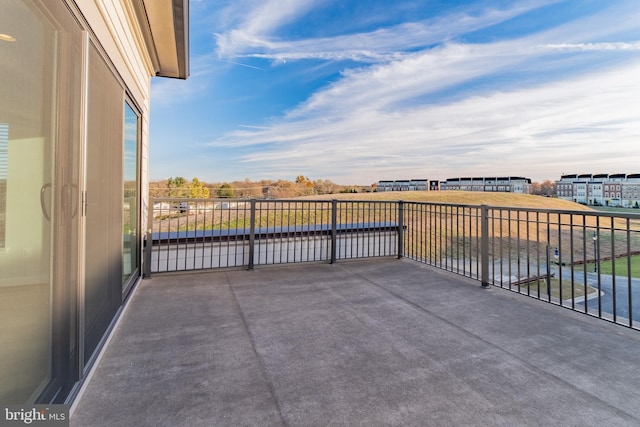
pixel 180 187
pixel 544 188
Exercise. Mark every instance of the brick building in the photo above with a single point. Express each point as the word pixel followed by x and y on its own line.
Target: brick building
pixel 600 189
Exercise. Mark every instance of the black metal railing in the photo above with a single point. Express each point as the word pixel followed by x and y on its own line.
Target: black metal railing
pixel 587 261
pixel 207 233
pixel 445 236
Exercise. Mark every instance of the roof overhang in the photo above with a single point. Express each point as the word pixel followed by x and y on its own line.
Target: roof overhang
pixel 165 27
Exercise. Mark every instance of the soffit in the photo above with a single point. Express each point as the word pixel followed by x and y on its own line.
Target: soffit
pixel 165 25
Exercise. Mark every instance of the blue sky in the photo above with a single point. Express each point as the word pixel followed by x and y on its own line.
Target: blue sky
pixel 356 91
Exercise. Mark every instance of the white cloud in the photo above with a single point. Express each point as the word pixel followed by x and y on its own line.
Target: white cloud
pixel 250 21
pixel 253 37
pixel 565 125
pixel 599 47
pixel 387 119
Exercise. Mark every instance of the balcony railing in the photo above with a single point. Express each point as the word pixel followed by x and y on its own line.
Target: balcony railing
pixel 582 260
pixel 207 233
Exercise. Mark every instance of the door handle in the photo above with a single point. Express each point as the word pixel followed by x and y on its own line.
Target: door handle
pixel 43 204
pixel 71 197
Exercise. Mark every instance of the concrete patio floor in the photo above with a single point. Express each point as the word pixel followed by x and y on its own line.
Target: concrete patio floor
pixel 374 342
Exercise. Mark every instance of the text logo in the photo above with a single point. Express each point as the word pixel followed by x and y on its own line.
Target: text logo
pixel 35 415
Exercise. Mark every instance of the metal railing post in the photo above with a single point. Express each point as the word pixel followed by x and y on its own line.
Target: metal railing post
pixel 484 245
pixel 548 273
pixel 334 229
pixel 148 240
pixel 252 232
pixel 400 229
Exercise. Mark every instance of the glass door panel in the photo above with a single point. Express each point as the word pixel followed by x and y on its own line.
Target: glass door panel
pixel 103 222
pixel 130 207
pixel 38 169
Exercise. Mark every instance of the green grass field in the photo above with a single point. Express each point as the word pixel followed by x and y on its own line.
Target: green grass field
pixel 615 210
pixel 606 267
pixel 578 289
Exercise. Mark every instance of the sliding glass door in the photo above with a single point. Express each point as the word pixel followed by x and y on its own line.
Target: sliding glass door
pixel 103 222
pixel 112 240
pixel 69 199
pixel 40 63
pixel 130 203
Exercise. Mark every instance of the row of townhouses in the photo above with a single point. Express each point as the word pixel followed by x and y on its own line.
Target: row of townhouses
pixel 601 189
pixel 509 184
pixel 407 185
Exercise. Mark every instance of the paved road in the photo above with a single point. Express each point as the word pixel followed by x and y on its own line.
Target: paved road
pixel 618 299
pixel 607 301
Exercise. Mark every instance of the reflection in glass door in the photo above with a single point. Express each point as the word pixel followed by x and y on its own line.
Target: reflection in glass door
pixel 130 205
pixel 39 140
pixel 103 219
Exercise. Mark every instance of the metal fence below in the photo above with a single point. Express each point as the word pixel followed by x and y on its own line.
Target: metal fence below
pixel 193 251
pixel 203 234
